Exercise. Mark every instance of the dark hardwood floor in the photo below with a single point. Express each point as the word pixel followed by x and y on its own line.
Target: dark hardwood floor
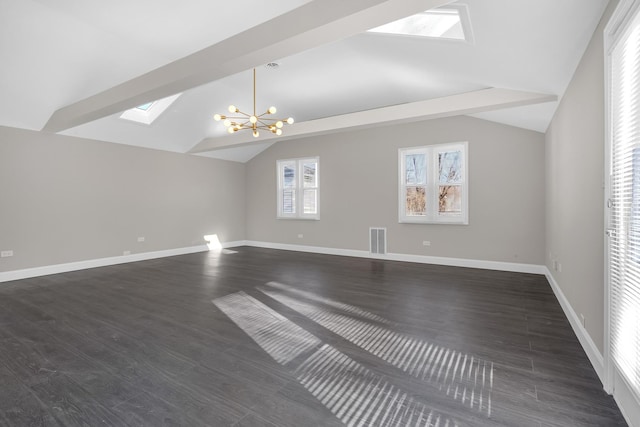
pixel 258 337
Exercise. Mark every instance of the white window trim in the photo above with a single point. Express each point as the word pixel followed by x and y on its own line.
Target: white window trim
pixel 432 215
pixel 299 214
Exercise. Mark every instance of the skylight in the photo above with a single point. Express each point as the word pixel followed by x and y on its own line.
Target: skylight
pixel 447 23
pixel 147 113
pixel 145 107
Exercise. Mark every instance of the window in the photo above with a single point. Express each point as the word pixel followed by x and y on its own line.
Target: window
pixel 145 107
pixel 433 184
pixel 450 22
pixel 623 355
pixel 298 189
pixel 147 113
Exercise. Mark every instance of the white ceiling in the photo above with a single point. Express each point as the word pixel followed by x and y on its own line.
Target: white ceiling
pixel 57 53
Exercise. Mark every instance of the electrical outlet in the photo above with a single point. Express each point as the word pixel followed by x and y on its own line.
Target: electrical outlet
pixel 300 236
pixel 140 239
pixel 126 253
pixel 5 254
pixel 559 268
pixel 426 243
pixel 582 319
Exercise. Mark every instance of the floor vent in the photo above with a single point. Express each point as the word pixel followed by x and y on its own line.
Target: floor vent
pixel 378 240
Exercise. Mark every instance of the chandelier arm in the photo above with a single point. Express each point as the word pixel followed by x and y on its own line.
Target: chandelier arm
pixel 273 119
pixel 269 126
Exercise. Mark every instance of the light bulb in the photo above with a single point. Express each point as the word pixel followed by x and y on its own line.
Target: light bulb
pixel 227 122
pixel 272 110
pixel 256 134
pixel 253 119
pixel 233 109
pixel 279 132
pixel 230 130
pixel 217 117
pixel 290 120
pixel 279 124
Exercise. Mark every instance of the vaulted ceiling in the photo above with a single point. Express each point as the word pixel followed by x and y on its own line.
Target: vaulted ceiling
pixel 73 66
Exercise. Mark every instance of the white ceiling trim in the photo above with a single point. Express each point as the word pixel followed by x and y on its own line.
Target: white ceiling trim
pixel 314 24
pixel 467 103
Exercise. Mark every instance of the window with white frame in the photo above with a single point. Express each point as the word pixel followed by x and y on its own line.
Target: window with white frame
pixel 623 167
pixel 433 185
pixel 299 188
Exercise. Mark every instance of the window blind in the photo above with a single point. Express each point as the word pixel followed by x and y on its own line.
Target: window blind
pixel 624 275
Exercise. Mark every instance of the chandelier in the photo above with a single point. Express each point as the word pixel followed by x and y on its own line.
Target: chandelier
pixel 254 122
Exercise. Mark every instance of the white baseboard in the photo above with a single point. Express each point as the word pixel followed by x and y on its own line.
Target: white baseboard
pixel 234 244
pixel 594 355
pixel 92 263
pixel 102 262
pixel 422 259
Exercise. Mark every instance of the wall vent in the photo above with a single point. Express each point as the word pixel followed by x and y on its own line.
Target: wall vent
pixel 378 240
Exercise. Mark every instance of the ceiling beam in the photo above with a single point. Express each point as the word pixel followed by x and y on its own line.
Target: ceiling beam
pixel 311 25
pixel 466 103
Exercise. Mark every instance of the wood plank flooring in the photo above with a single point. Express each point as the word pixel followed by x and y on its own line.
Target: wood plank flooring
pixel 259 337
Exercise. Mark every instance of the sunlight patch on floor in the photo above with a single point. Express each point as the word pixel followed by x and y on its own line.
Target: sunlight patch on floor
pixel 354 394
pixel 462 376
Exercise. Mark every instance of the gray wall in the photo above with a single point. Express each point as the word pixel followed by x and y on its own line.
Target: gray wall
pixel 359 179
pixel 575 188
pixel 67 199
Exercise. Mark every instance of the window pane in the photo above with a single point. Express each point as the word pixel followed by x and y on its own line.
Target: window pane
pixel 289 180
pixel 145 107
pixel 450 167
pixel 288 201
pixel 415 167
pixel 450 199
pixel 311 201
pixel 441 22
pixel 416 203
pixel 309 174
